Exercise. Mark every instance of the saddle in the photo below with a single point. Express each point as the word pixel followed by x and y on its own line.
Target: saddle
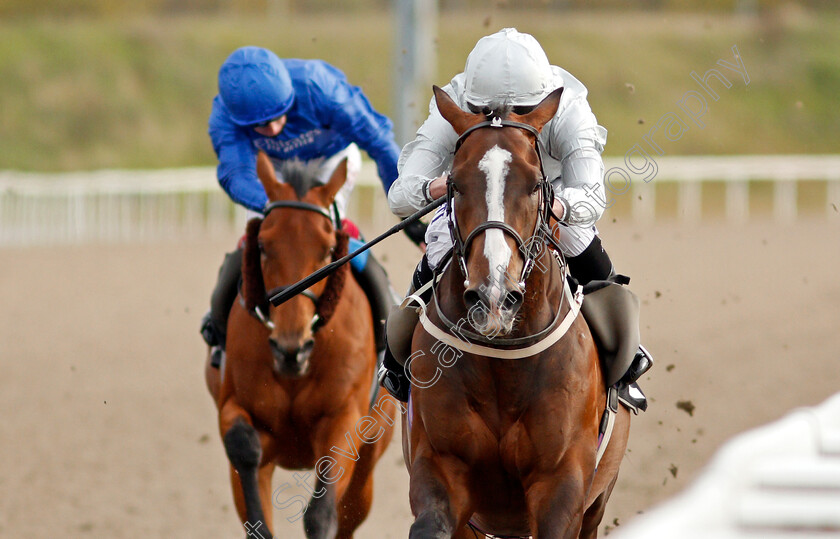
pixel 612 312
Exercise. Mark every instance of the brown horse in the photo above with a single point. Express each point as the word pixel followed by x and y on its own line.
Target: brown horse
pixel 505 446
pixel 295 388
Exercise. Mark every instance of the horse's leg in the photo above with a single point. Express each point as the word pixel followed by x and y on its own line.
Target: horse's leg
pixel 607 475
pixel 555 501
pixel 593 515
pixel 264 476
pixel 265 473
pixel 324 518
pixel 440 512
pixel 320 521
pixel 244 451
pixel 355 505
pixel 321 518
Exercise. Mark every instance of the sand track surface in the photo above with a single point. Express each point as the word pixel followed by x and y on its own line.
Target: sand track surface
pixel 108 430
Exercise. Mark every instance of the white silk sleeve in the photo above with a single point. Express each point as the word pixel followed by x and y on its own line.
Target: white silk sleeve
pixel 423 159
pixel 576 142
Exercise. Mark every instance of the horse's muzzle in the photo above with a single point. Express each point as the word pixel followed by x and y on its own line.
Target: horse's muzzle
pixel 492 317
pixel 291 362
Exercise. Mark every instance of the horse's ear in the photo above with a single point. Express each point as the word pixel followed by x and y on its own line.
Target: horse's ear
pixel 268 179
pixel 452 113
pixel 253 287
pixel 544 111
pixel 328 191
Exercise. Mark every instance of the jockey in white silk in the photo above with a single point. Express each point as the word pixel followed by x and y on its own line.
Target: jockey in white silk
pixel 510 68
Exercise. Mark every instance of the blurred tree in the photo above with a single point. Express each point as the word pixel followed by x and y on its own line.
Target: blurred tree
pixel 118 8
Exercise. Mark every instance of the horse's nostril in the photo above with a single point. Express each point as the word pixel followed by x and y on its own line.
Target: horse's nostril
pixel 472 298
pixel 282 353
pixel 514 299
pixel 290 355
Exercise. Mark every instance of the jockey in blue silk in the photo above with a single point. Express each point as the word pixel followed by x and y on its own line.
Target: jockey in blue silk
pixel 509 68
pixel 293 109
pixel 323 113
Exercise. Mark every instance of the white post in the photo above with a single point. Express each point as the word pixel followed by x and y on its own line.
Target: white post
pixel 125 217
pixel 689 201
pixel 644 202
pixel 31 230
pixel 5 222
pixel 415 64
pixel 784 201
pixel 832 206
pixel 737 200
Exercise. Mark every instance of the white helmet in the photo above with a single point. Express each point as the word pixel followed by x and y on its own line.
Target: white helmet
pixel 509 68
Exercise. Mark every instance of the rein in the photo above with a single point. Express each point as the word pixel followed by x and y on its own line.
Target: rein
pixel 325 303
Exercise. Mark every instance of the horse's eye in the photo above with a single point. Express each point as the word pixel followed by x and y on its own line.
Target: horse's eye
pixel 536 188
pixel 521 110
pixel 261 247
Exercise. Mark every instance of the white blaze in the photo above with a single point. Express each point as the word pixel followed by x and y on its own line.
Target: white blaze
pixel 495 165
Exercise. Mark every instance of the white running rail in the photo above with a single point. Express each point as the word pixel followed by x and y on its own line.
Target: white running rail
pixel 143 205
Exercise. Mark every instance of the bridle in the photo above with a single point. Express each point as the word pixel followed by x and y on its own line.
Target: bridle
pixel 260 311
pixel 541 232
pixel 532 249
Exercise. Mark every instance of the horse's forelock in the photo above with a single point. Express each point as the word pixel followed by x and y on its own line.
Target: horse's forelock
pixel 500 111
pixel 301 175
pixel 335 283
pixel 493 110
pixel 253 286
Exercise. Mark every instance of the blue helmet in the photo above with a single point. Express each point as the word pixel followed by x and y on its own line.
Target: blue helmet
pixel 255 86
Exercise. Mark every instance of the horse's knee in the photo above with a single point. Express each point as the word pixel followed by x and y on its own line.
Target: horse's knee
pixel 432 524
pixel 320 521
pixel 242 444
pixel 432 502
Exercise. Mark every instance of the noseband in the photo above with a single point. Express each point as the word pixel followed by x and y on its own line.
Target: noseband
pixel 541 232
pixel 260 312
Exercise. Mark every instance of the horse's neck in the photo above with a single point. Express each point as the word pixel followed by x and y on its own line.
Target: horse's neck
pixel 544 291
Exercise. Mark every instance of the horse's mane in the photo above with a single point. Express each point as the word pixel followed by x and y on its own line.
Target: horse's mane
pixel 301 175
pixel 335 282
pixel 253 287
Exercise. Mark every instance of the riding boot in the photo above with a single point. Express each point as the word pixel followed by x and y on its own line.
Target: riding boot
pixel 401 324
pixel 594 264
pixel 214 323
pixel 642 362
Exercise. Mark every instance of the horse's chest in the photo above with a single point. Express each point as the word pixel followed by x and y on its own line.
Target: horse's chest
pixel 508 445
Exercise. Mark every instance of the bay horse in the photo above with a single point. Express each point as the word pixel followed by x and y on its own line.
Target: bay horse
pixel 502 431
pixel 295 387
